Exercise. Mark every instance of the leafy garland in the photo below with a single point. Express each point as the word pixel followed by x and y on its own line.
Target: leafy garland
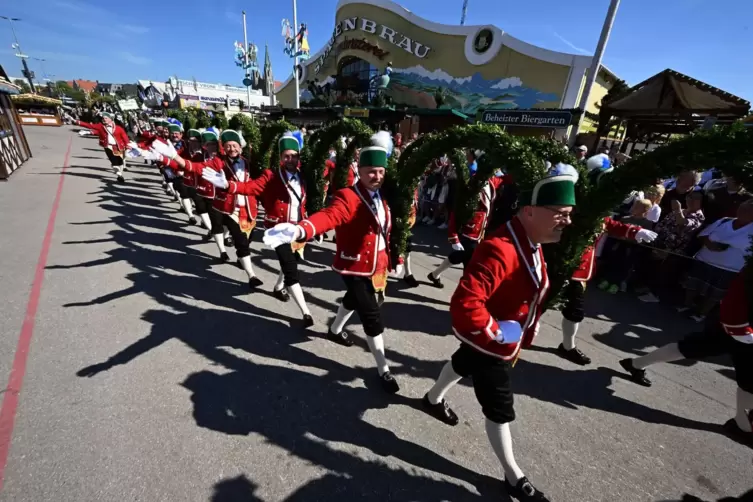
pixel 267 155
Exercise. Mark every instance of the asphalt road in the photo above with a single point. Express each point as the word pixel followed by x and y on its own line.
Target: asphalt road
pixel 153 375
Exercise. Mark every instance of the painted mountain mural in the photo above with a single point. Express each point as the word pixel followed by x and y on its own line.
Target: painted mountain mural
pixel 418 86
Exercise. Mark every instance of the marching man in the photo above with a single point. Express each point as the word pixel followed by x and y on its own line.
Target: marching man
pixel 283 194
pixel 361 220
pixel 236 212
pixel 495 310
pixel 472 232
pixel 574 293
pixel 728 333
pixel 189 199
pixel 113 139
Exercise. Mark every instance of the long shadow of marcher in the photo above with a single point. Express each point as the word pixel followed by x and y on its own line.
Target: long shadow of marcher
pixel 590 389
pixel 283 404
pixel 237 489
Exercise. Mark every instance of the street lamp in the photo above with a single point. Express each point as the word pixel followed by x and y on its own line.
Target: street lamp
pixel 26 72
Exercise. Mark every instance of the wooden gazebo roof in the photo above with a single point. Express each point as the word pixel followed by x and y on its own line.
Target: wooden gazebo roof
pixel 671 102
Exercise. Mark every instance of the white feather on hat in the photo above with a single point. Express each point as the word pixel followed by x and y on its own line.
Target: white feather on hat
pixel 383 139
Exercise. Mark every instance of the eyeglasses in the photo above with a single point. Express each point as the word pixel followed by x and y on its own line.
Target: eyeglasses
pixel 559 216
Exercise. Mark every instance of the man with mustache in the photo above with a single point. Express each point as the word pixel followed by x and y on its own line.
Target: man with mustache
pixel 283 194
pixel 495 310
pixel 361 220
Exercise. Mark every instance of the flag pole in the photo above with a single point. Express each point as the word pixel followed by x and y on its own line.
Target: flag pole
pixel 295 59
pixel 245 50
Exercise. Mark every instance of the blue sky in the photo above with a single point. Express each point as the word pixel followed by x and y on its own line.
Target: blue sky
pixel 711 40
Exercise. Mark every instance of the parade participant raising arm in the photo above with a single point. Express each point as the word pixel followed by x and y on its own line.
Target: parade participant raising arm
pixel 495 310
pixel 283 194
pixel 361 220
pixel 113 139
pixel 236 212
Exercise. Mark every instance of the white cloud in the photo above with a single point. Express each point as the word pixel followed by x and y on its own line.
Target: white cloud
pixel 571 45
pixel 506 83
pixel 437 74
pixel 134 59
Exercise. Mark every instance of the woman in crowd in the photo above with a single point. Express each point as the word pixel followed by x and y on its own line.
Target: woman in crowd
pixel 725 248
pixel 676 231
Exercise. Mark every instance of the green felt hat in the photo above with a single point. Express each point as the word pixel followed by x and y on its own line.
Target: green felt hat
pixel 161 123
pixel 106 114
pixel 230 135
pixel 289 143
pixel 194 133
pixel 373 156
pixel 209 136
pixel 551 191
pixel 174 128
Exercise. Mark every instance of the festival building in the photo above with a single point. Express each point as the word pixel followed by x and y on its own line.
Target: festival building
pixel 466 68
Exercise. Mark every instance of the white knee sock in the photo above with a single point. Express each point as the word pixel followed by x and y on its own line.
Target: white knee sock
pixel 297 293
pixel 119 170
pixel 341 319
pixel 501 441
pixel 408 269
pixel 441 268
pixel 665 354
pixel 205 219
pixel 744 404
pixel 170 188
pixel 376 345
pixel 569 330
pixel 246 264
pixel 280 282
pixel 188 207
pixel 447 378
pixel 220 242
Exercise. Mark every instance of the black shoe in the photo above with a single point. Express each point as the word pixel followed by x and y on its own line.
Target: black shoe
pixel 389 384
pixel 281 294
pixel 342 338
pixel 524 491
pixel 191 222
pixel 208 237
pixel 229 242
pixel 735 432
pixel 254 282
pixel 224 258
pixel 308 321
pixel 437 283
pixel 636 375
pixel 573 355
pixel 121 179
pixel 410 281
pixel 441 411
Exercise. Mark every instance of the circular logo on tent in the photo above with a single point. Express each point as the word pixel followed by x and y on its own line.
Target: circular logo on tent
pixel 483 40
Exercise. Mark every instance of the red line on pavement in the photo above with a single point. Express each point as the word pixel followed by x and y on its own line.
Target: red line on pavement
pixel 17 371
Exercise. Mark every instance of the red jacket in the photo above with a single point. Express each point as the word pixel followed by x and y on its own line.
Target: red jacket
pixel 121 137
pixel 499 284
pixel 191 178
pixel 222 200
pixel 274 195
pixel 612 228
pixel 357 231
pixel 476 226
pixel 733 311
pixel 146 138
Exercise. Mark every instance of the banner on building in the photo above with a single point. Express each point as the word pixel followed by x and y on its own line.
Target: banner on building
pixel 526 118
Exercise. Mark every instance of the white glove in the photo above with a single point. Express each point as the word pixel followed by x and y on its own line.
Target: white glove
pixel 509 332
pixel 164 149
pixel 282 233
pixel 644 235
pixel 458 247
pixel 399 270
pixel 215 178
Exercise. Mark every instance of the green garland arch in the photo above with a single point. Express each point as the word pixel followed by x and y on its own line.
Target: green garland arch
pixel 267 154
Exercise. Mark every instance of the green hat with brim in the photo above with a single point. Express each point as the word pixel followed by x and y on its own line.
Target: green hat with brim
pixel 174 128
pixel 289 143
pixel 209 137
pixel 373 156
pixel 194 133
pixel 230 135
pixel 161 123
pixel 551 191
pixel 106 114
